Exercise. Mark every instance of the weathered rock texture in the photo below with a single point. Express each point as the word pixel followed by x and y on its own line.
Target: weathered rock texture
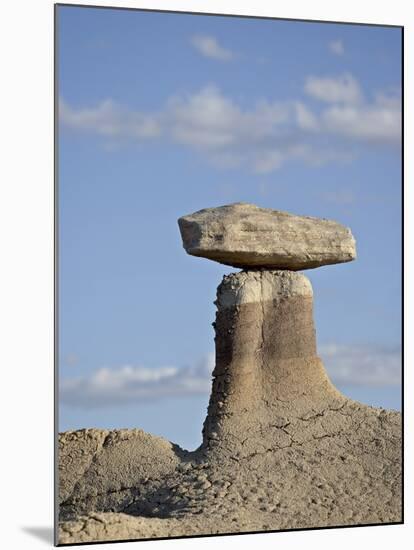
pixel 246 236
pixel 282 448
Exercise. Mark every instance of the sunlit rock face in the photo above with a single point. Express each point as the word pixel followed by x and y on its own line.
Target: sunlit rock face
pixel 246 236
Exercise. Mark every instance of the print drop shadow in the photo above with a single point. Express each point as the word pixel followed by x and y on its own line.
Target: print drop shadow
pixel 44 534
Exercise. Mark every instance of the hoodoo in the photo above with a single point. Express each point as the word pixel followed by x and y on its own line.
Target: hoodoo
pixel 282 447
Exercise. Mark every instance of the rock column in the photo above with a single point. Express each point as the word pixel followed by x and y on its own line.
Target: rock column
pixel 267 368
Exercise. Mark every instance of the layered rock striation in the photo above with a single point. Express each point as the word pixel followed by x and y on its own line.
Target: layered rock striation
pixel 282 447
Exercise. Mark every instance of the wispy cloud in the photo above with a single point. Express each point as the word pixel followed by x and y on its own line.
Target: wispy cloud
pixel 209 47
pixel 260 138
pixel 376 123
pixel 337 47
pixel 110 120
pixel 214 124
pixel 133 384
pixel 341 89
pixel 352 365
pixel 362 365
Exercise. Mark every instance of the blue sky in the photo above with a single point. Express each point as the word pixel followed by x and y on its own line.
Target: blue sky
pixel 165 114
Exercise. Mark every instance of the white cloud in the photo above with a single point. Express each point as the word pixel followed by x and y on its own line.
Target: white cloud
pixel 337 47
pixel 352 365
pixel 363 366
pixel 342 89
pixel 205 120
pixel 110 120
pixel 209 47
pixel 213 124
pixel 379 122
pixel 133 384
pixel 260 138
pixel 390 100
pixel 306 120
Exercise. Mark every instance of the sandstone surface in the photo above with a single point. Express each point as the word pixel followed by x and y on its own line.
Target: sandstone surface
pixel 246 236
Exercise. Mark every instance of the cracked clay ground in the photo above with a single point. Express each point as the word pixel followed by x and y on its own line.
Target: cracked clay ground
pixel 304 476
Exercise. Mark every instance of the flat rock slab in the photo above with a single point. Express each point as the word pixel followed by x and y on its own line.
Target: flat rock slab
pixel 245 236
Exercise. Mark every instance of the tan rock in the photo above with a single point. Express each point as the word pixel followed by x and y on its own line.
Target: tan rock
pixel 246 236
pixel 282 447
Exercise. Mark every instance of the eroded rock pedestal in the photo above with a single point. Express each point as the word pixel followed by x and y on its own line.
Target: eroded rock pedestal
pixel 282 448
pixel 267 372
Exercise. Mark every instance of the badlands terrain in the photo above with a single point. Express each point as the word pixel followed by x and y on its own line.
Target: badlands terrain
pixel 282 447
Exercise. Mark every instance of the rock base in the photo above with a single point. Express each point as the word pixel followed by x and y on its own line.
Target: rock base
pixel 282 448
